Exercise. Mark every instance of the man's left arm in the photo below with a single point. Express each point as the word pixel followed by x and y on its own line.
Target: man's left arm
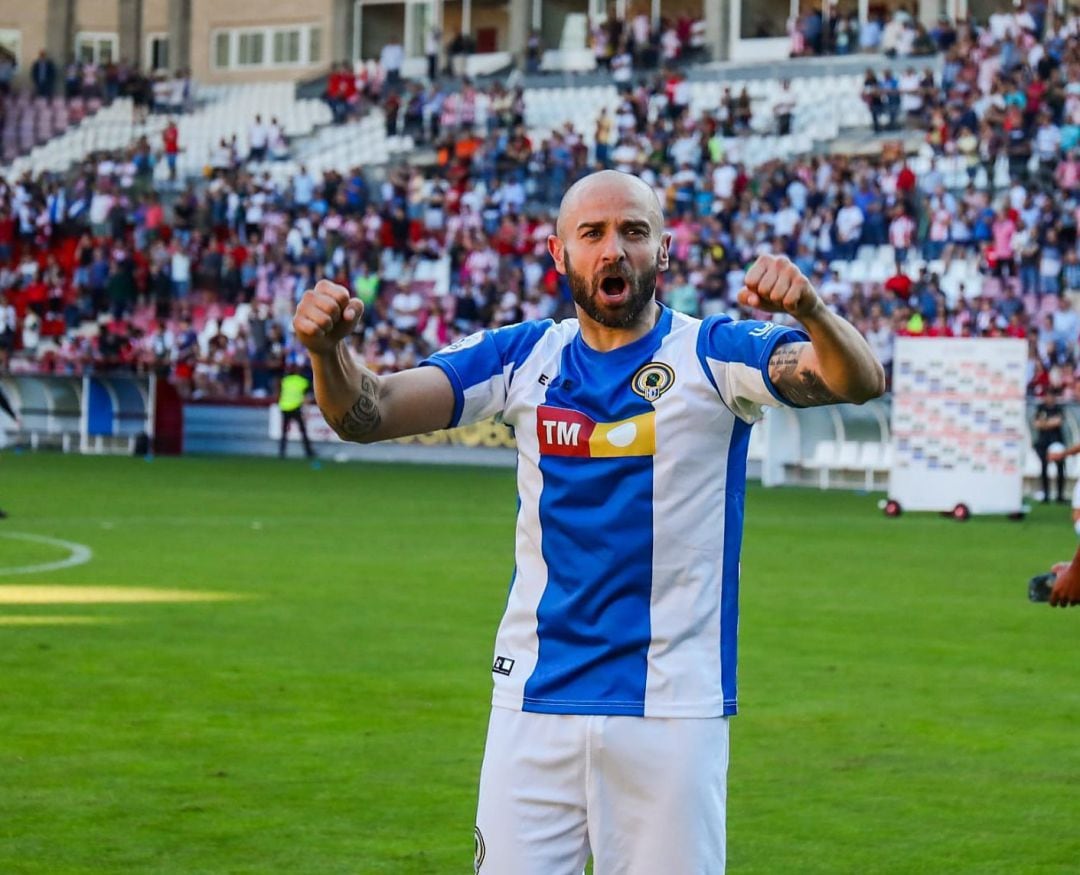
pixel 836 365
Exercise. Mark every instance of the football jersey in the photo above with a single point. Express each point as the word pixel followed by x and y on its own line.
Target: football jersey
pixel 631 480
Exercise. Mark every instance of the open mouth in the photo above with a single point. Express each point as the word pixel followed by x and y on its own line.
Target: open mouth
pixel 614 289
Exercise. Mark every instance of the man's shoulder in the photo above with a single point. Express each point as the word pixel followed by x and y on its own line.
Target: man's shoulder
pixel 538 327
pixel 516 340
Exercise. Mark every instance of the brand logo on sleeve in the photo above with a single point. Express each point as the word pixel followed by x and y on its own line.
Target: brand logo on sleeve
pixel 764 329
pixel 463 343
pixel 562 432
pixel 503 665
pixel 652 380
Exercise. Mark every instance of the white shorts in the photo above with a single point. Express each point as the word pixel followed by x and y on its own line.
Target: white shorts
pixel 642 795
pixel 1076 495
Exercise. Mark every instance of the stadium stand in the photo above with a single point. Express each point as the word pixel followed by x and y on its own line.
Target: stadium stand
pixel 433 202
pixel 105 129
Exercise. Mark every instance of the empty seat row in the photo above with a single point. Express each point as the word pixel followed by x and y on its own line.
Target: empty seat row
pixel 868 458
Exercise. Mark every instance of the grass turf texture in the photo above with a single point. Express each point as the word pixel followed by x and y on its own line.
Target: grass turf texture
pixel 905 709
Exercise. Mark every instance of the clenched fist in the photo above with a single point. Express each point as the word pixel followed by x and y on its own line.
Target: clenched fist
pixel 776 285
pixel 325 316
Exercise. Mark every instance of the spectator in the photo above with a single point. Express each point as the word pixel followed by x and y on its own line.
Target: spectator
pixel 170 139
pixel 8 68
pixel 870 35
pixel 784 108
pixel 432 46
pixel 258 139
pixel 849 225
pixel 180 272
pixel 391 59
pixel 460 47
pixel 277 142
pixel 43 75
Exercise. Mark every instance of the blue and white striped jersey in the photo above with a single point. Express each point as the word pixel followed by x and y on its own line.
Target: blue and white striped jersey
pixel 631 481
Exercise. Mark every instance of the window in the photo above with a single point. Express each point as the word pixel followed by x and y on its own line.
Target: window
pixel 96 48
pixel 287 47
pixel 293 46
pixel 249 52
pixel 222 43
pixel 764 18
pixel 11 44
pixel 157 51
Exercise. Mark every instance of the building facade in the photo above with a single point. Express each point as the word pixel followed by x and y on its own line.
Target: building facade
pixel 238 41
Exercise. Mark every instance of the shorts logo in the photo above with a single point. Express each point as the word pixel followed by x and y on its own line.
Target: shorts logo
pixel 562 432
pixel 652 380
pixel 503 665
pixel 478 850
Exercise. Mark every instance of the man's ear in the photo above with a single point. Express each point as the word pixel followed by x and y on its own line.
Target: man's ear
pixel 662 257
pixel 556 249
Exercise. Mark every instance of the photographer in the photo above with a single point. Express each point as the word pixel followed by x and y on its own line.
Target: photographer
pixel 1060 587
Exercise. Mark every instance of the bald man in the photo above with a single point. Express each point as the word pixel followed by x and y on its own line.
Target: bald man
pixel 614 664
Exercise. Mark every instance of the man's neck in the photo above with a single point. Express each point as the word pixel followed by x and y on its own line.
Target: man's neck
pixel 604 338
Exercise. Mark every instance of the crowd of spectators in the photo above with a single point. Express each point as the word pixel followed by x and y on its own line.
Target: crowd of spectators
pixel 98 270
pixel 901 35
pixel 103 82
pixel 624 49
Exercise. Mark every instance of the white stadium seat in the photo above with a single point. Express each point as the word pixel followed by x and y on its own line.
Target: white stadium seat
pixel 823 460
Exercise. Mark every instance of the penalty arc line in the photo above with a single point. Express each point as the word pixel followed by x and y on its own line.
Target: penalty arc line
pixel 78 554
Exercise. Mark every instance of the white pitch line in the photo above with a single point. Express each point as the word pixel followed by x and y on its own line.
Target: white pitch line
pixel 78 554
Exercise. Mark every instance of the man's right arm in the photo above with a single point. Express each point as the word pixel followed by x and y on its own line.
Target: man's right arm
pixel 358 404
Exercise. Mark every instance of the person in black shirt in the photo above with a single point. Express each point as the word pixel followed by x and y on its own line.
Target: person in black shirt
pixel 1049 422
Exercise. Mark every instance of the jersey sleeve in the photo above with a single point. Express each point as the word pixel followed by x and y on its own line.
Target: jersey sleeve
pixel 481 365
pixel 735 356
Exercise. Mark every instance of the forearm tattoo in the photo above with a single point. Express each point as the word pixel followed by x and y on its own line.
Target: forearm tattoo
pixel 364 416
pixel 795 382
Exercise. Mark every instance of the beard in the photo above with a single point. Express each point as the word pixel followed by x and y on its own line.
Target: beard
pixel 641 288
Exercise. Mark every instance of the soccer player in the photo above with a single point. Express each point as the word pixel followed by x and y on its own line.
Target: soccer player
pixel 614 663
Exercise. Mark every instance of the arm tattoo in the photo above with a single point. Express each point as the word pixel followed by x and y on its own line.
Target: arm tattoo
pixel 796 383
pixel 364 416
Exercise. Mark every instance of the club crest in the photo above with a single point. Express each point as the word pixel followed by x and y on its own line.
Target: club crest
pixel 652 380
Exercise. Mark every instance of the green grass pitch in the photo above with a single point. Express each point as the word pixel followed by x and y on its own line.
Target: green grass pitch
pixel 904 708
